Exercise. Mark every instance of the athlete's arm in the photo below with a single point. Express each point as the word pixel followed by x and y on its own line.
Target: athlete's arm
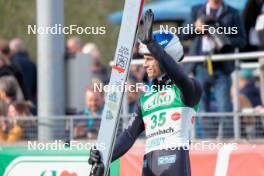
pixel 128 137
pixel 190 88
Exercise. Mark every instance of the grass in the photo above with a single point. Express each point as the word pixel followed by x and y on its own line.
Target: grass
pixel 16 15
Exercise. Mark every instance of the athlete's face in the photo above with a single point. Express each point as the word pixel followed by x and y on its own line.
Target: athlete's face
pixel 152 67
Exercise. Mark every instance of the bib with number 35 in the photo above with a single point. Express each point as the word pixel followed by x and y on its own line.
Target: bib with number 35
pixel 168 122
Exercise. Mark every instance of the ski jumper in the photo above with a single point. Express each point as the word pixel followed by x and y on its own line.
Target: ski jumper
pixel 166 114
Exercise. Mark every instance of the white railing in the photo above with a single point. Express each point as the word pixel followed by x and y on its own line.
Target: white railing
pixel 66 124
pixel 217 57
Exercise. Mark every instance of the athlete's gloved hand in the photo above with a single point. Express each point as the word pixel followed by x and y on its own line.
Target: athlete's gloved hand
pixel 147 27
pixel 95 161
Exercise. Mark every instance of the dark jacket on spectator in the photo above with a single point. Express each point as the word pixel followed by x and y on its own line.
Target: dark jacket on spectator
pixel 22 62
pixel 252 93
pixel 251 12
pixel 229 18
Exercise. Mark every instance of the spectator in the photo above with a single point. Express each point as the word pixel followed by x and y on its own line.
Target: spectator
pixel 3 108
pixel 98 69
pixel 9 92
pixel 6 69
pixel 254 23
pixel 9 89
pixel 13 129
pixel 94 105
pixel 2 130
pixel 252 11
pixel 92 50
pixel 251 126
pixel 4 48
pixel 74 45
pixel 137 71
pixel 21 61
pixel 3 121
pixel 19 109
pixel 132 95
pixel 220 14
pixel 248 87
pixel 94 102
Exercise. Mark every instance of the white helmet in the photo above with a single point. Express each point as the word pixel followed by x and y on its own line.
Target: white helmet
pixel 169 42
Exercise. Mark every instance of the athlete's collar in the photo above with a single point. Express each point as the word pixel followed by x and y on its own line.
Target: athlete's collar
pixel 162 80
pixel 160 77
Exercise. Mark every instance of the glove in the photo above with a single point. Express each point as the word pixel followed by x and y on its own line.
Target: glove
pixel 95 161
pixel 146 37
pixel 95 156
pixel 97 169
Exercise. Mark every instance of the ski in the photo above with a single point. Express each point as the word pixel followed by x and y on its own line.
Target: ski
pixel 123 54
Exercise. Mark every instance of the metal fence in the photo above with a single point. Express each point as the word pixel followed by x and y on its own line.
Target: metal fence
pixel 239 124
pixel 214 125
pixel 64 128
pixel 207 126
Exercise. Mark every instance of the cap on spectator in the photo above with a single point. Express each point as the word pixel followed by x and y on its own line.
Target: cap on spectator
pixel 246 73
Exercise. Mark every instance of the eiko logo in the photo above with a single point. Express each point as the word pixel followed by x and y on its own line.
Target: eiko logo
pixel 159 99
pixel 56 173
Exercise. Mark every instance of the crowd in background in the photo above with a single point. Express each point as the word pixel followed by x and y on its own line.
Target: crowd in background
pixel 18 86
pixel 18 81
